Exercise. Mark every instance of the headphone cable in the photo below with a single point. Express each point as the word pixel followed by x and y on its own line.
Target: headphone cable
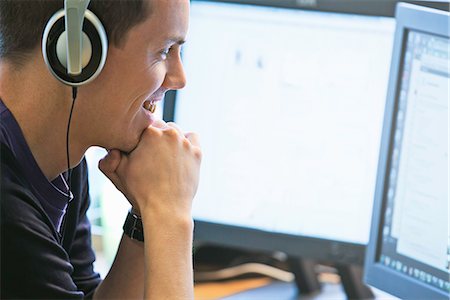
pixel 69 170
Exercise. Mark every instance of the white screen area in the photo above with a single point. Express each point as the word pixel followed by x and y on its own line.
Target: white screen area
pixel 421 205
pixel 289 108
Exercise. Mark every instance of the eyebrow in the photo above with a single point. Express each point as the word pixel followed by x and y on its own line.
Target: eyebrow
pixel 175 40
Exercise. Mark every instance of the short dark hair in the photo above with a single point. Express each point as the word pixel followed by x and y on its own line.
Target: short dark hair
pixel 22 22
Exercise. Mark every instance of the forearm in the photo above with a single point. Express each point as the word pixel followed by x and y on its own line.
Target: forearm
pixel 163 263
pixel 168 260
pixel 125 279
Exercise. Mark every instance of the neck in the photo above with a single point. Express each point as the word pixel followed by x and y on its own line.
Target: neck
pixel 41 107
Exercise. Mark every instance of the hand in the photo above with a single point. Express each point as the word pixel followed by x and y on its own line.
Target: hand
pixel 161 173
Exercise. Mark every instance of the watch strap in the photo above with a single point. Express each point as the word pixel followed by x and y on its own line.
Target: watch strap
pixel 133 226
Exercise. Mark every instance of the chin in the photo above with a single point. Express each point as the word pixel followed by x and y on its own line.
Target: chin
pixel 123 145
pixel 132 142
pixel 129 146
pixel 126 141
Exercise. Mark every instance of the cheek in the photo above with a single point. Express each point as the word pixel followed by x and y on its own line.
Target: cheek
pixel 154 76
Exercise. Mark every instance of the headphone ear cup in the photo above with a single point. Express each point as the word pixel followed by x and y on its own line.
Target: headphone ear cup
pixel 61 50
pixel 95 47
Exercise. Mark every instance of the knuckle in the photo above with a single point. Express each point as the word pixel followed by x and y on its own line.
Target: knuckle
pixel 151 131
pixel 198 153
pixel 172 132
pixel 186 143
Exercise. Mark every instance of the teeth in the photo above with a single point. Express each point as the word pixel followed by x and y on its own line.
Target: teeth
pixel 150 106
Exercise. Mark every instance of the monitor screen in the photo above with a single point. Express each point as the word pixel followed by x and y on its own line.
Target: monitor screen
pixel 416 229
pixel 414 225
pixel 289 107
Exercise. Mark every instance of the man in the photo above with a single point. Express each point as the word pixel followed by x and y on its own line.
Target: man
pixel 154 164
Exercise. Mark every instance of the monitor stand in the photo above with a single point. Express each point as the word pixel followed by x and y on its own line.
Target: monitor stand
pixel 351 280
pixel 305 275
pixel 308 284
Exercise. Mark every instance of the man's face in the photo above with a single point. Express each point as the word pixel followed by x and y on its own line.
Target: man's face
pixel 142 69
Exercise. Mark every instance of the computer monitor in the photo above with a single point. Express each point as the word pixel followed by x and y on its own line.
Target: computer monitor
pixel 288 98
pixel 289 105
pixel 409 250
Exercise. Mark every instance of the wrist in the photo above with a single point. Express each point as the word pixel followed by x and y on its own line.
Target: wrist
pixel 173 224
pixel 166 210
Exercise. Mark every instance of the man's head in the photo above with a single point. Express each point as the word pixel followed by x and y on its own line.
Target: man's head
pixel 143 62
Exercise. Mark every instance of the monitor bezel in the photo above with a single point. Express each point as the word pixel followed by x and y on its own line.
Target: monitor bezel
pixel 319 249
pixel 409 17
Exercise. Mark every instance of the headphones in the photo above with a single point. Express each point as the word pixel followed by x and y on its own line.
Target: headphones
pixel 74 44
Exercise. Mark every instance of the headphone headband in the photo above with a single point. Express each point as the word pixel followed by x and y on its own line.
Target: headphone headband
pixel 74 44
pixel 74 11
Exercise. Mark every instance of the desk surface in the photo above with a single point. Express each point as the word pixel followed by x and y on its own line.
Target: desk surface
pixel 266 288
pixel 216 290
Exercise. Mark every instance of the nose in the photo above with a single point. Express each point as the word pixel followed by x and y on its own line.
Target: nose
pixel 175 78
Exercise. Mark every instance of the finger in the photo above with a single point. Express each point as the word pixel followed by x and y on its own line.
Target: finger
pixel 193 138
pixel 159 124
pixel 175 126
pixel 109 164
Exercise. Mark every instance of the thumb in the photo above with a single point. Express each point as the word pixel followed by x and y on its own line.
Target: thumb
pixel 110 162
pixel 109 165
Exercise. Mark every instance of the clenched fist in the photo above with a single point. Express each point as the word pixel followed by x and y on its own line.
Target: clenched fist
pixel 161 174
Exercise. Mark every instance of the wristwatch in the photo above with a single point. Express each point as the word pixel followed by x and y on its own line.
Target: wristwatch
pixel 133 226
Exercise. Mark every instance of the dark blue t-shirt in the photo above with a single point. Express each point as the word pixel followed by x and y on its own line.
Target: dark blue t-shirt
pixel 35 262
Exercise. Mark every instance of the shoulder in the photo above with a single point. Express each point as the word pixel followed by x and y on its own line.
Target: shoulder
pixel 17 202
pixel 17 198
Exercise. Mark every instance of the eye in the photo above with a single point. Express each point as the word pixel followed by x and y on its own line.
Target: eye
pixel 165 52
